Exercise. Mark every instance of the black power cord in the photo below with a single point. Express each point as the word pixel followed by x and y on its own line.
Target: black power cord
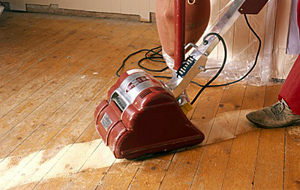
pixel 156 56
pixel 219 71
pixel 255 61
pixel 153 54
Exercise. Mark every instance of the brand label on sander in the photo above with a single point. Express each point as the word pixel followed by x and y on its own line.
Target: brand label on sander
pixel 106 121
pixel 135 82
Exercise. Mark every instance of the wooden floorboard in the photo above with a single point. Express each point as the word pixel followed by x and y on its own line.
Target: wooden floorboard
pixel 39 39
pixel 269 171
pixel 54 70
pixel 73 66
pixel 241 162
pixel 214 157
pixel 48 42
pixel 41 65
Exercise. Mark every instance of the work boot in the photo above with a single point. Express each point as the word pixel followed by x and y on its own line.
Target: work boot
pixel 275 116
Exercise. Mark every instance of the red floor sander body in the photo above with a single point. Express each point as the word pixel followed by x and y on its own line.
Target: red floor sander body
pixel 142 115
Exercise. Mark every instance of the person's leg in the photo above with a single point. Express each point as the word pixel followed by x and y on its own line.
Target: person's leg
pixel 197 18
pixel 290 91
pixel 286 111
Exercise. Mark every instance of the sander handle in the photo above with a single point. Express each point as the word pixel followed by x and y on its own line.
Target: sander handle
pixel 199 54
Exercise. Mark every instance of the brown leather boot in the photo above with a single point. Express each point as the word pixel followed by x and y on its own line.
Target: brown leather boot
pixel 275 116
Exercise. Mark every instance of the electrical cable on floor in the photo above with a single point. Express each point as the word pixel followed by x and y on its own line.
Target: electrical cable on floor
pixel 153 54
pixel 156 56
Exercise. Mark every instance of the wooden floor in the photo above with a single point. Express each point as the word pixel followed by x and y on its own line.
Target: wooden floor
pixel 55 70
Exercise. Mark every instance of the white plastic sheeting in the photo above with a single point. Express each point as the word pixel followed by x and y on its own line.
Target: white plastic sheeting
pixel 242 45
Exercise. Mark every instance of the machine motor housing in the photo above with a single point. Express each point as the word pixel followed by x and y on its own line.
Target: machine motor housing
pixel 141 116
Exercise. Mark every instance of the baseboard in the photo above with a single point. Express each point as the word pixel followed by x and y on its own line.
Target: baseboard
pixel 54 9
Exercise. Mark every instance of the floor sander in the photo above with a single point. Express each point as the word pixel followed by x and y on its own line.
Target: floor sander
pixel 142 115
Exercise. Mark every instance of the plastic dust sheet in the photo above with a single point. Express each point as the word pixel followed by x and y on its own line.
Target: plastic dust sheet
pixel 242 45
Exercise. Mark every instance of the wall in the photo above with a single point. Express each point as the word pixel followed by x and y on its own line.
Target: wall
pixel 132 7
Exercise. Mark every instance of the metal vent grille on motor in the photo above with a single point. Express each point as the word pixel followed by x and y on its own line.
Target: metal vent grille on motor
pixel 145 93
